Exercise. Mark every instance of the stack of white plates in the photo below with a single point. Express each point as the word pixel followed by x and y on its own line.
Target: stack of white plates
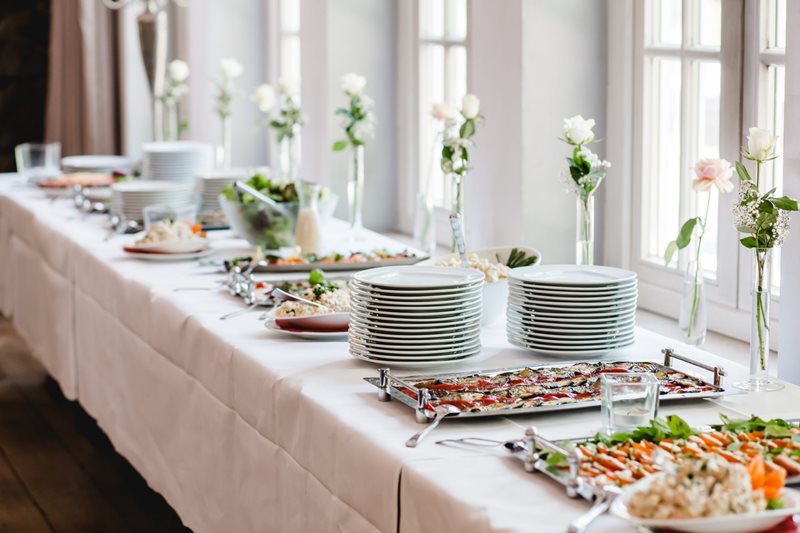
pixel 176 160
pixel 129 198
pixel 415 316
pixel 571 309
pixel 105 164
pixel 209 185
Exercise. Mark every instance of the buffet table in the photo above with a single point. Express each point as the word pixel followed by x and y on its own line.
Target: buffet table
pixel 244 430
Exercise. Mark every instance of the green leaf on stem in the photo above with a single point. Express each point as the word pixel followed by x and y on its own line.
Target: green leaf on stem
pixel 745 229
pixel 338 146
pixel 742 171
pixel 685 235
pixel 467 129
pixel 749 242
pixel 785 203
pixel 672 247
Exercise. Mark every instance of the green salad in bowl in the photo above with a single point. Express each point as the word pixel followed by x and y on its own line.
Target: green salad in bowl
pixel 265 226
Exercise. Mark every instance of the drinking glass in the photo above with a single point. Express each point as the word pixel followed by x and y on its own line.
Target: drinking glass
pixel 628 401
pixel 38 161
pixel 157 213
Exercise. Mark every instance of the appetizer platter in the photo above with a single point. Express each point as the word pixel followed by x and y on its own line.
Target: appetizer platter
pixel 536 389
pixel 330 262
pixel 168 237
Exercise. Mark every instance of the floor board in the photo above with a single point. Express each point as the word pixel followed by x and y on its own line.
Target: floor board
pixel 58 470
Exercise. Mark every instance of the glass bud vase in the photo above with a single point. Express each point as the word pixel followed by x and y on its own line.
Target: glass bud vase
pixel 223 158
pixel 289 157
pixel 171 126
pixel 457 202
pixel 355 188
pixel 584 244
pixel 424 227
pixel 759 380
pixel 693 318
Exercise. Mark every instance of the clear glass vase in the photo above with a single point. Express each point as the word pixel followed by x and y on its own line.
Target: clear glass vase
pixel 457 202
pixel 759 380
pixel 355 188
pixel 171 125
pixel 424 227
pixel 224 149
pixel 584 241
pixel 289 157
pixel 693 317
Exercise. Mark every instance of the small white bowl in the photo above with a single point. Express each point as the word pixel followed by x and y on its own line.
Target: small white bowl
pixel 495 295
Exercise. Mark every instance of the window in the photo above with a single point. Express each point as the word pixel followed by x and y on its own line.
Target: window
pixel 698 86
pixel 442 75
pixel 289 62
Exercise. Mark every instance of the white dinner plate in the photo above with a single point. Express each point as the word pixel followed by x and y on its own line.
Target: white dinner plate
pixel 411 330
pixel 580 306
pixel 574 329
pixel 415 300
pixel 570 313
pixel 413 339
pixel 566 353
pixel 737 523
pixel 572 320
pixel 580 289
pixel 168 247
pixel 419 277
pixel 405 363
pixel 329 322
pixel 572 275
pixel 271 325
pixel 374 354
pixel 150 256
pixel 534 334
pixel 538 292
pixel 554 297
pixel 600 345
pixel 406 352
pixel 95 163
pixel 411 312
pixel 426 294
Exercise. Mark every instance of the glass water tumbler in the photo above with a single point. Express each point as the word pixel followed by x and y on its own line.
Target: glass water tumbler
pixel 628 401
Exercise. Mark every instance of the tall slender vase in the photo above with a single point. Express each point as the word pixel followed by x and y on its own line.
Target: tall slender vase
pixel 693 319
pixel 224 149
pixel 424 227
pixel 584 245
pixel 457 202
pixel 759 380
pixel 355 188
pixel 171 129
pixel 289 157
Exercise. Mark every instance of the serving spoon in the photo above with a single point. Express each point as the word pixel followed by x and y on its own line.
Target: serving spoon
pixel 441 411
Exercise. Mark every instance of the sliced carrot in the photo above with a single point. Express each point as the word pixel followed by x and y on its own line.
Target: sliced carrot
pixel 773 483
pixel 757 472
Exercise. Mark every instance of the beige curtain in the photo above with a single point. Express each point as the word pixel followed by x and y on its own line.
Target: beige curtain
pixel 83 94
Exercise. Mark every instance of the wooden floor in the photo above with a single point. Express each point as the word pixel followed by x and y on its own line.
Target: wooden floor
pixel 58 470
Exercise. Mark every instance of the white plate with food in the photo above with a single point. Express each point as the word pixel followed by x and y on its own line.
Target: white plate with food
pixel 707 496
pixel 319 322
pixel 159 257
pixel 272 325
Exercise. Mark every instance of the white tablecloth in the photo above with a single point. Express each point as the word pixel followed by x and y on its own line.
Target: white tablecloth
pixel 242 429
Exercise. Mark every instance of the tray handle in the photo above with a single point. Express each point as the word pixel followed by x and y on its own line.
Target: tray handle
pixel 386 379
pixel 535 444
pixel 717 371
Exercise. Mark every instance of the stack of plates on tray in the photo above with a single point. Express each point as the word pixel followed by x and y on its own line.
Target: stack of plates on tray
pixel 209 186
pixel 415 316
pixel 176 160
pixel 105 164
pixel 129 198
pixel 571 309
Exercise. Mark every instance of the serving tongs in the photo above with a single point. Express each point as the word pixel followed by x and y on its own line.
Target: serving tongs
pixel 239 186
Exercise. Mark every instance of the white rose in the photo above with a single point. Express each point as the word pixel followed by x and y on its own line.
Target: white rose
pixel 289 87
pixel 760 144
pixel 264 97
pixel 470 106
pixel 178 71
pixel 578 131
pixel 353 84
pixel 231 68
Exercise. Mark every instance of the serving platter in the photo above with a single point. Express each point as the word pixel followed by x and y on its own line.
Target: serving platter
pixel 274 266
pixel 408 391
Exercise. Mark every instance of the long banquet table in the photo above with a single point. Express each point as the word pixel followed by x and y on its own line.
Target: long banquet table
pixel 244 430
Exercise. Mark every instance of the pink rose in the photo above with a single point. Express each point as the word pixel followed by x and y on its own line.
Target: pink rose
pixel 713 172
pixel 443 111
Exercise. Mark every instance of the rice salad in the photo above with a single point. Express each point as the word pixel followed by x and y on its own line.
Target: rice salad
pixel 493 272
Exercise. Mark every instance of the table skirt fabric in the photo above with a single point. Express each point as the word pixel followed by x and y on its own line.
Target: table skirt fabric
pixel 244 430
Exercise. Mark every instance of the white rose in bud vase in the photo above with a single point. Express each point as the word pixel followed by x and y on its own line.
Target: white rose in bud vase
pixel 353 84
pixel 289 87
pixel 264 98
pixel 470 106
pixel 578 131
pixel 231 68
pixel 443 111
pixel 760 144
pixel 178 71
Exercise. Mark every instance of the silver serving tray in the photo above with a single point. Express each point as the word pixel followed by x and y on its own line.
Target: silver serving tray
pixel 336 267
pixel 388 383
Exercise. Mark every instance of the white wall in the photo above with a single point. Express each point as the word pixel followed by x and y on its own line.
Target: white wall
pixel 564 72
pixel 789 352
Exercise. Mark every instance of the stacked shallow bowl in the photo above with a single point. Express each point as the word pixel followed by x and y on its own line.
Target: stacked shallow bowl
pixel 571 309
pixel 415 316
pixel 129 198
pixel 176 160
pixel 209 186
pixel 105 164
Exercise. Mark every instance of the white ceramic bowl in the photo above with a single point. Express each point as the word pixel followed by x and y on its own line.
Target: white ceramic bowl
pixel 495 295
